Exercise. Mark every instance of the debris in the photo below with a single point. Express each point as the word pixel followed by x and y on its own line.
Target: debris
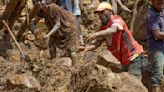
pixel 108 60
pixel 96 78
pixel 13 56
pixel 13 37
pixel 65 62
pixel 59 74
pixel 24 79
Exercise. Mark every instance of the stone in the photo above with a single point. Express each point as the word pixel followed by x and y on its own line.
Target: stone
pixel 13 56
pixel 24 79
pixel 96 78
pixel 108 60
pixel 66 61
pixel 2 59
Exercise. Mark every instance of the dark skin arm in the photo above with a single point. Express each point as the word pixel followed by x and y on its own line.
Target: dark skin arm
pixel 107 32
pixel 94 46
pixel 158 35
pixel 102 34
pixel 54 29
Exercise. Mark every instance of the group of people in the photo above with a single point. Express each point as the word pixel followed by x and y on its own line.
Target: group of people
pixel 64 33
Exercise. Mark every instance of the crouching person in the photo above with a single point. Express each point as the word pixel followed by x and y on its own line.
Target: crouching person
pixel 119 40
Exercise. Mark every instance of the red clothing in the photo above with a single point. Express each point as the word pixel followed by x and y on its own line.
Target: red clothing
pixel 124 47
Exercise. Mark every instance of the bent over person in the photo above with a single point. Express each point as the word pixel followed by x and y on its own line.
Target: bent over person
pixel 119 40
pixel 62 26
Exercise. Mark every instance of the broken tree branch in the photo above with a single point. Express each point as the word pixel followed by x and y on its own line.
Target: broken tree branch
pixel 134 15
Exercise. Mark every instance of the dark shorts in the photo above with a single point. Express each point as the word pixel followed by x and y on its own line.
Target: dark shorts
pixel 137 65
pixel 156 60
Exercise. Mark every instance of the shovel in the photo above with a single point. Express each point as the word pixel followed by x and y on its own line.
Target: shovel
pixel 16 42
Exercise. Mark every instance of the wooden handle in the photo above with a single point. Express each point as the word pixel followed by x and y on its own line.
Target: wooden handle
pixel 13 37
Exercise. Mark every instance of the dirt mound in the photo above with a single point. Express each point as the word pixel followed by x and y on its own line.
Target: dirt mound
pixel 40 74
pixel 26 76
pixel 95 78
pixel 59 75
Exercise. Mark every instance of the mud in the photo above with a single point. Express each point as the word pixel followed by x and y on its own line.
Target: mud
pixel 37 73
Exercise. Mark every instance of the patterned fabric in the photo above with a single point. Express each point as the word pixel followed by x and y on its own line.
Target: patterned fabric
pixel 66 36
pixel 137 65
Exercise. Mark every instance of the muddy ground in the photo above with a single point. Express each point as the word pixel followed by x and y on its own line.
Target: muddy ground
pixel 37 73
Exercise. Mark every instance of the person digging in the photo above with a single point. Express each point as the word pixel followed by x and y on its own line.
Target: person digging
pixel 61 25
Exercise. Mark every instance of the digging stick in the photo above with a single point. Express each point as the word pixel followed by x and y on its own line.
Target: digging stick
pixel 13 37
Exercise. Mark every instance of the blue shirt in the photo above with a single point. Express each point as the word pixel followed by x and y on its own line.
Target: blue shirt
pixel 66 4
pixel 155 21
pixel 78 11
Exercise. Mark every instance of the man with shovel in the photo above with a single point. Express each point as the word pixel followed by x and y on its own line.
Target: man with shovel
pixel 12 12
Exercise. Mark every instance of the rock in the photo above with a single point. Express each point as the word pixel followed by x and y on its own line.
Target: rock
pixel 90 20
pixel 61 78
pixel 33 54
pixel 5 45
pixel 30 4
pixel 29 7
pixel 40 41
pixel 2 59
pixel 1 88
pixel 31 82
pixel 24 79
pixel 130 80
pixel 66 61
pixel 108 60
pixel 96 78
pixel 29 36
pixel 2 81
pixel 13 56
pixel 63 62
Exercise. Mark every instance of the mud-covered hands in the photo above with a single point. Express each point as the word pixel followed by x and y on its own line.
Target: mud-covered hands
pixel 84 49
pixel 91 36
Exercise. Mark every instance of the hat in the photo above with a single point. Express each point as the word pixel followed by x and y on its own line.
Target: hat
pixel 103 6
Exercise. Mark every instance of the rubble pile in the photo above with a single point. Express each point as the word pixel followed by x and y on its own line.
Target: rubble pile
pixel 37 73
